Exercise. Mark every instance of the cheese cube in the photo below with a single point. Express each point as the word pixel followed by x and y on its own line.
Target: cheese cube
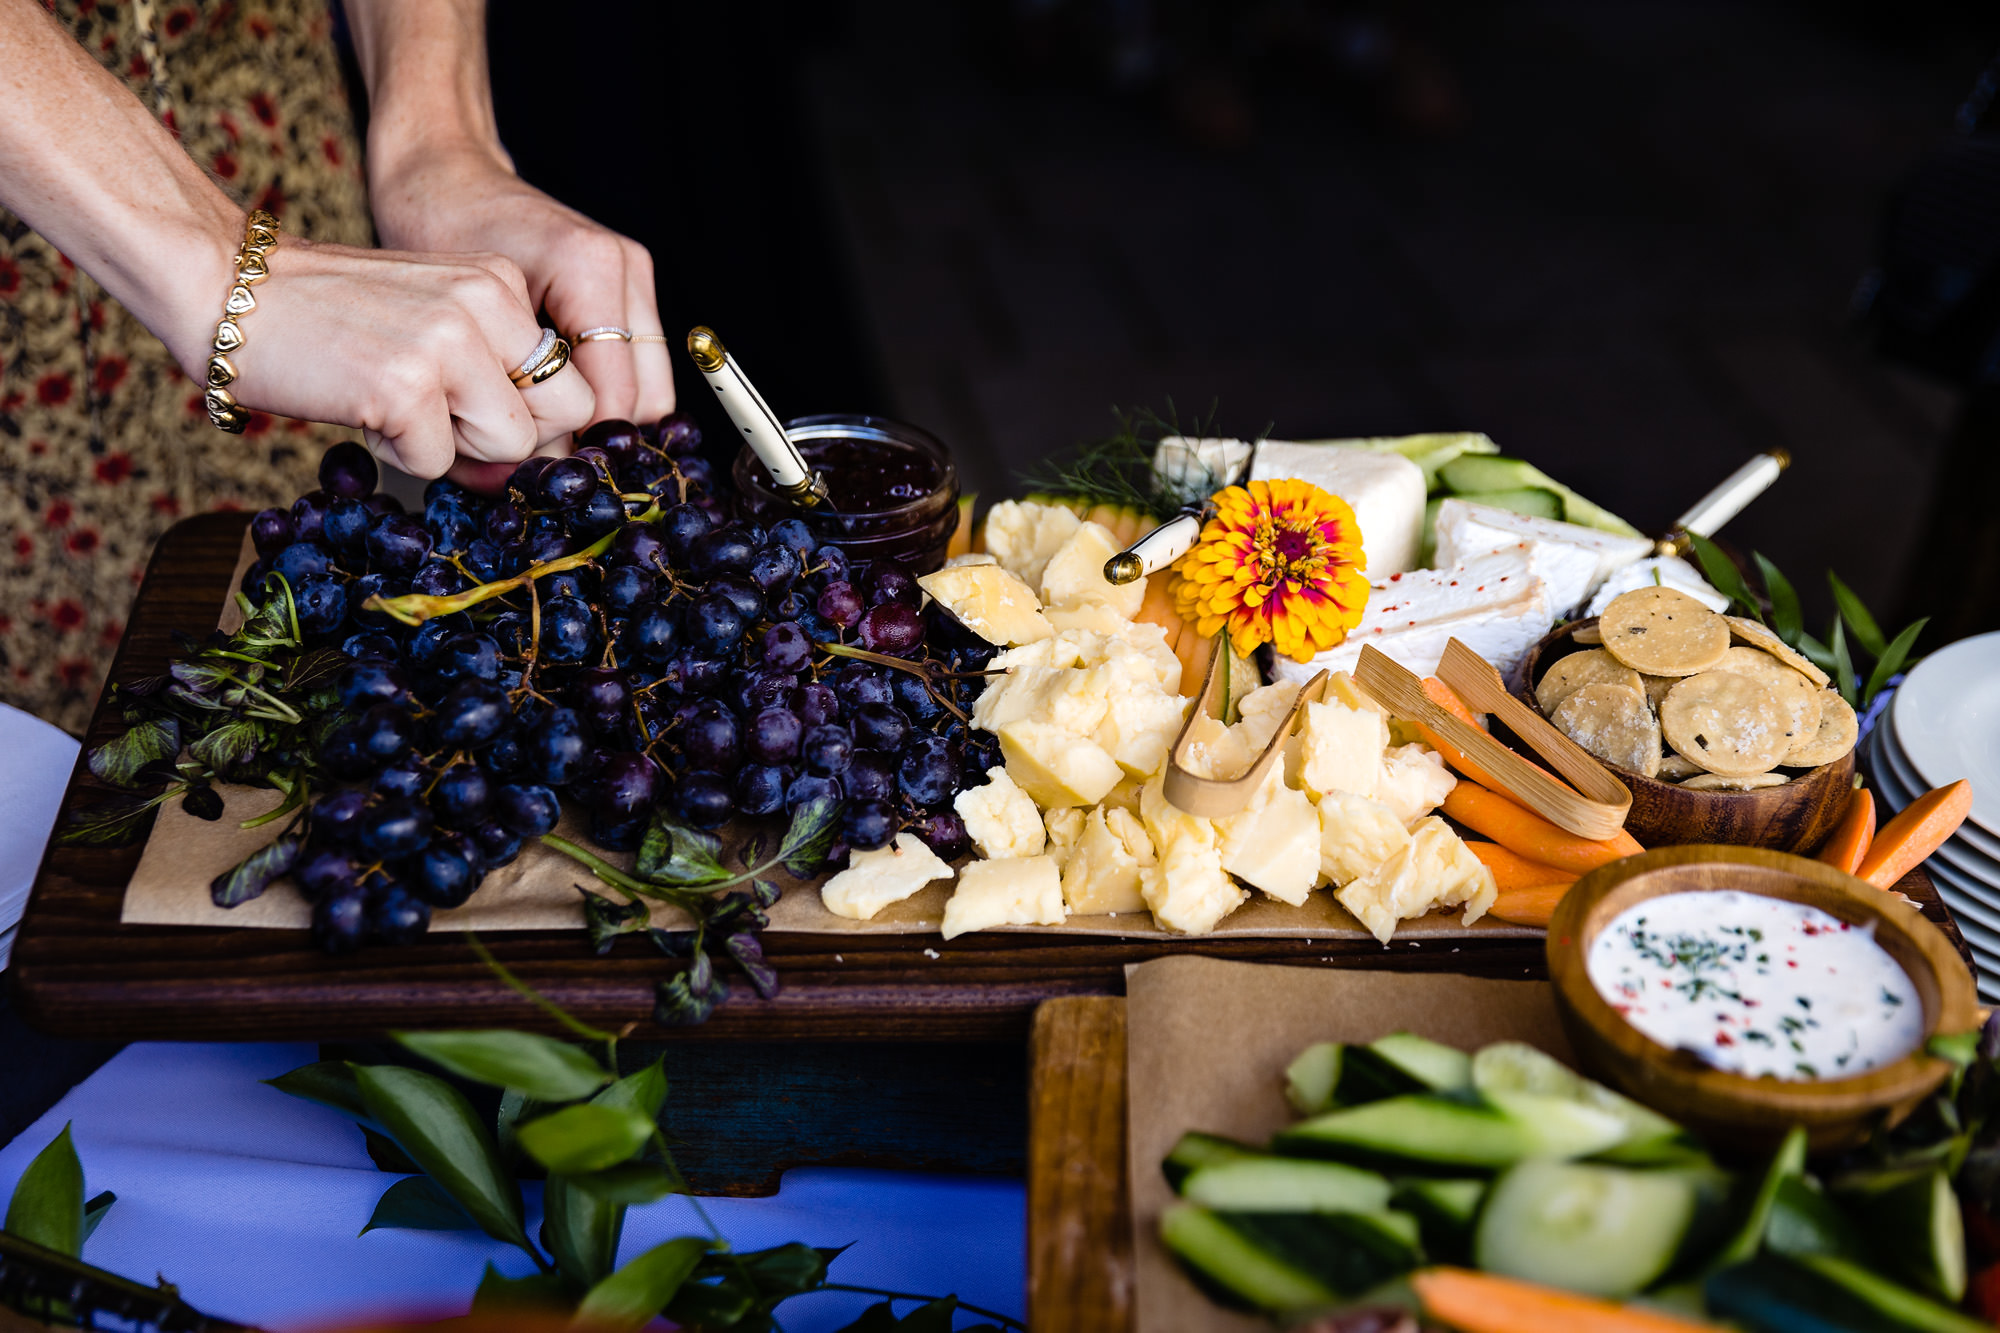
pixel 1274 843
pixel 1414 782
pixel 1063 828
pixel 1340 749
pixel 990 602
pixel 1259 712
pixel 1139 727
pixel 1022 535
pixel 1166 821
pixel 1187 888
pixel 1102 874
pixel 1435 870
pixel 1073 698
pixel 873 880
pixel 1094 617
pixel 1356 835
pixel 1385 490
pixel 1000 818
pixel 1025 891
pixel 1214 750
pixel 1058 651
pixel 1056 767
pixel 1075 574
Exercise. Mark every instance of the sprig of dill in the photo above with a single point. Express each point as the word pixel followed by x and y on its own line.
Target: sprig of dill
pixel 1118 469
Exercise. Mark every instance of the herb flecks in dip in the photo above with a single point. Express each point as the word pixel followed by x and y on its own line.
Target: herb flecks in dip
pixel 1757 985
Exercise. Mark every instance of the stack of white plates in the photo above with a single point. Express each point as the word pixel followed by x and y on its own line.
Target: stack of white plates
pixel 1943 724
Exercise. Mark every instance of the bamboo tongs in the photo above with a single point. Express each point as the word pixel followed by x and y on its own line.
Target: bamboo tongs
pixel 1595 807
pixel 1215 798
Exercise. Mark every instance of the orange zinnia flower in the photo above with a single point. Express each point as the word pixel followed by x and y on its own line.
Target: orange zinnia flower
pixel 1280 563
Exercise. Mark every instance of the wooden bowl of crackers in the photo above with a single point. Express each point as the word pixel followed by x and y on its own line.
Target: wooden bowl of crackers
pixel 1722 731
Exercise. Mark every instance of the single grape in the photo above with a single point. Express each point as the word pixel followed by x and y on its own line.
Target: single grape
pixel 460 797
pixel 568 583
pixel 676 433
pixel 840 604
pixel 300 559
pixel 943 831
pixel 817 704
pixel 655 631
pixel 626 587
pixel 892 628
pixel 568 629
pixel 773 736
pixel 385 730
pixel 395 916
pixel 334 815
pixel 774 567
pixel 397 544
pixel 321 602
pixel 272 530
pixel 830 563
pixel 867 825
pixel 626 786
pixel 445 872
pixel 556 748
pixel 817 627
pixel 742 593
pixel 309 516
pixel 861 683
pixel 348 469
pixel 328 870
pixel 498 845
pixel 406 776
pixel 810 787
pixel 343 755
pixel 471 713
pixel 870 776
pixel 486 562
pixel 429 639
pixel 619 440
pixel 889 582
pixel 619 835
pixel 975 656
pixel 786 647
pixel 713 739
pixel 521 481
pixel 701 673
pixel 372 647
pixel 683 525
pixel 791 604
pixel 914 697
pixel 601 513
pixel 438 578
pixel 979 755
pixel 374 585
pixel 393 827
pixel 468 655
pixel 503 758
pixel 505 523
pixel 450 526
pixel 547 539
pixel 340 921
pixel 795 536
pixel 527 809
pixel 566 483
pixel 346 526
pixel 826 749
pixel 927 771
pixel 704 799
pixel 637 544
pixel 723 550
pixel 716 620
pixel 760 789
pixel 880 727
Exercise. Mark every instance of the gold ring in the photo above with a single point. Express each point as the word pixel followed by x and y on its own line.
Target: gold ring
pixel 649 337
pixel 602 333
pixel 551 354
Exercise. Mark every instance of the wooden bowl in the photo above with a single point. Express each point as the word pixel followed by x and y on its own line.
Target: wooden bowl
pixel 1795 817
pixel 1731 1110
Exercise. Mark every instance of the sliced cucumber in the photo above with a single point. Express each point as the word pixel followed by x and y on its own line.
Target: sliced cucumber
pixel 1445 1210
pixel 1429 452
pixel 1238 1269
pixel 1427 554
pixel 1196 1150
pixel 1312 1076
pixel 1534 501
pixel 1474 475
pixel 1439 1134
pixel 1350 1252
pixel 1788 1163
pixel 1432 1064
pixel 1911 1221
pixel 1601 1230
pixel 1804 1221
pixel 1285 1185
pixel 1331 1074
pixel 1823 1294
pixel 1506 1068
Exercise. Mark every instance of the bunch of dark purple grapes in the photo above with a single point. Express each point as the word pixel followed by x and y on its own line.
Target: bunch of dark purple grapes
pixel 672 665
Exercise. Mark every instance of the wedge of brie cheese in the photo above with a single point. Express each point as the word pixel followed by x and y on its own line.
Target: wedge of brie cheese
pixel 1672 571
pixel 1573 560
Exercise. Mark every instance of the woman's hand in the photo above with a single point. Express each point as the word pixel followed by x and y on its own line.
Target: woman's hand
pixel 414 349
pixel 462 197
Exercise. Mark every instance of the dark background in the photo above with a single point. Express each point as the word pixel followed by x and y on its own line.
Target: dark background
pixel 1621 238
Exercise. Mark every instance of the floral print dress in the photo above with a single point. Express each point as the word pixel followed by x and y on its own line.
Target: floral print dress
pixel 103 441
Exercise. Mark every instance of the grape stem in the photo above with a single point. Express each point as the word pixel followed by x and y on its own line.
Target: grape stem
pixel 415 608
pixel 924 671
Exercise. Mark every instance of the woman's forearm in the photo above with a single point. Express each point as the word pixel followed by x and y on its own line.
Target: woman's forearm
pixel 85 164
pixel 429 93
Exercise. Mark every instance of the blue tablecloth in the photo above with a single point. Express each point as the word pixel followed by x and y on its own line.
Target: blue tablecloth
pixel 251 1201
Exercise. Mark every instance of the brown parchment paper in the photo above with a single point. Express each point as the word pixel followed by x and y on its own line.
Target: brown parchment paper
pixel 539 890
pixel 1207 1043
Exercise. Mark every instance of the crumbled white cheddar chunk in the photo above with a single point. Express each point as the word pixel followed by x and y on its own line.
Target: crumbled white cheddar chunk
pixel 1062 650
pixel 1000 818
pixel 1356 835
pixel 1025 891
pixel 1125 796
pixel 873 880
pixel 1140 723
pixel 970 558
pixel 1075 574
pixel 1274 843
pixel 1055 766
pixel 1063 827
pixel 1072 698
pixel 1022 535
pixel 1092 617
pixel 1259 713
pixel 1187 888
pixel 1341 749
pixel 1413 782
pixel 1102 874
pixel 990 602
pixel 1214 750
pixel 1166 821
pixel 1435 870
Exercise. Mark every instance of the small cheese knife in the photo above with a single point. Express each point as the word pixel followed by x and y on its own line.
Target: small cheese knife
pixel 759 425
pixel 1172 539
pixel 1725 502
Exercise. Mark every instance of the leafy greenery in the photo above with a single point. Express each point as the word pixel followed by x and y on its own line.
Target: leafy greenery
pixel 1118 469
pixel 682 867
pixel 1853 627
pixel 598 1136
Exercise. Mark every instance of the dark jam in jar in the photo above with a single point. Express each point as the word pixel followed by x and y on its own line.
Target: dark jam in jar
pixel 893 489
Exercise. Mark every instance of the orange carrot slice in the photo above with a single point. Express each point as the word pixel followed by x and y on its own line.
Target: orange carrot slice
pixel 1514 871
pixel 1527 834
pixel 1849 843
pixel 1534 905
pixel 1486 1303
pixel 1920 829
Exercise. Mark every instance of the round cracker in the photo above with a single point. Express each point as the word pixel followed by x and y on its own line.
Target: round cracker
pixel 1799 695
pixel 1760 636
pixel 1613 723
pixel 1657 687
pixel 1838 728
pixel 1748 782
pixel 1589 636
pixel 1663 632
pixel 1729 724
pixel 1674 767
pixel 1593 666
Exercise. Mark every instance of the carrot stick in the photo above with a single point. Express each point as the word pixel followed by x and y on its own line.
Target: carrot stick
pixel 1486 1303
pixel 1445 697
pixel 1528 834
pixel 1534 905
pixel 1849 843
pixel 1921 828
pixel 1512 871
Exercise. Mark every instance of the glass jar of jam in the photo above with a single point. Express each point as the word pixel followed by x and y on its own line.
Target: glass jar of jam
pixel 892 488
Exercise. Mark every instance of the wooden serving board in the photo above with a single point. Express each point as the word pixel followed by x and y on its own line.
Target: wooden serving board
pixel 81 973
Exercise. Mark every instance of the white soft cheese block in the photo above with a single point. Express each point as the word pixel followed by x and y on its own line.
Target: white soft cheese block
pixel 1074 575
pixel 1435 870
pixel 1673 571
pixel 1055 766
pixel 1582 559
pixel 1385 491
pixel 1187 888
pixel 1000 818
pixel 1022 535
pixel 1025 891
pixel 1102 874
pixel 1494 602
pixel 1273 844
pixel 873 880
pixel 990 602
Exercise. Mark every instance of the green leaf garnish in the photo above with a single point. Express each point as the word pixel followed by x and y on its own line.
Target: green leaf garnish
pixel 253 874
pixel 580 1139
pixel 122 760
pixel 1866 633
pixel 416 1203
pixel 629 1298
pixel 1892 660
pixel 541 1067
pixel 435 1126
pixel 47 1207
